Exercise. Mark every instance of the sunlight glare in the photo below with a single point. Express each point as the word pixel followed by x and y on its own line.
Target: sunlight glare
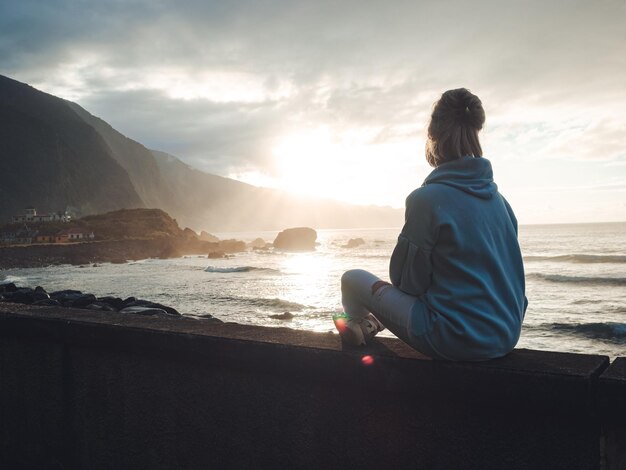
pixel 348 166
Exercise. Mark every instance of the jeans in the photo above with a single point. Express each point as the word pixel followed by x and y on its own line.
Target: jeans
pixel 397 311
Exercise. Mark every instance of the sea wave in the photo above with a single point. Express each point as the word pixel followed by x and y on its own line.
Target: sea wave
pixel 588 280
pixel 579 258
pixel 586 301
pixel 271 303
pixel 609 330
pixel 602 305
pixel 237 269
pixel 360 255
pixel 7 279
pixel 617 309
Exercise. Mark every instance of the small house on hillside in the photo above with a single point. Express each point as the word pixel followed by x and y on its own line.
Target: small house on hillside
pixel 25 237
pixel 73 235
pixel 46 237
pixel 31 215
pixel 7 237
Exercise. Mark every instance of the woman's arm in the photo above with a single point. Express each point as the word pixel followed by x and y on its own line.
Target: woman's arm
pixel 410 267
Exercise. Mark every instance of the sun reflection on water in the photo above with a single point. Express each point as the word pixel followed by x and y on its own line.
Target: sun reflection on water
pixel 306 277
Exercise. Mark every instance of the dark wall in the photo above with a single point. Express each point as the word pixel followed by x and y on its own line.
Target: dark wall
pixel 83 390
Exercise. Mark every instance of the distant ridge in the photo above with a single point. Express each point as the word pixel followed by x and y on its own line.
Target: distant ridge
pixel 51 158
pixel 137 160
pixel 228 205
pixel 54 154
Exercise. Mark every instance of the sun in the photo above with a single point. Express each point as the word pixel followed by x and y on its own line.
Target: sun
pixel 348 165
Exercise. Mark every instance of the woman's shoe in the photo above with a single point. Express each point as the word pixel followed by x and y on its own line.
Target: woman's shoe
pixel 357 331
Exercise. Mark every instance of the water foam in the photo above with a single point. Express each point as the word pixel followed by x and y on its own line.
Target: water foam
pixel 275 304
pixel 237 269
pixel 7 279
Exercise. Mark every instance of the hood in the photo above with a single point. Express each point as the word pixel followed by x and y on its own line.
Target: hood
pixel 469 174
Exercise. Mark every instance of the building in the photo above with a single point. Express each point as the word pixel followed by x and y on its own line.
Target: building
pixel 7 237
pixel 45 238
pixel 25 237
pixel 31 215
pixel 73 235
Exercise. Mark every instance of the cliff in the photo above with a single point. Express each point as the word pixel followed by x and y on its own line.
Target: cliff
pixel 50 158
pixel 55 155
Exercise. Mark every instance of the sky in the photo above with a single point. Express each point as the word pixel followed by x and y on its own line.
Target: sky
pixel 332 98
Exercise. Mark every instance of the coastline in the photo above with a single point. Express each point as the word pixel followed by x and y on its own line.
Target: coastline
pixel 112 251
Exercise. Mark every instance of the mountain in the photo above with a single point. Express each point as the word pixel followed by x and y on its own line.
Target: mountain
pixel 223 204
pixel 51 158
pixel 55 154
pixel 137 160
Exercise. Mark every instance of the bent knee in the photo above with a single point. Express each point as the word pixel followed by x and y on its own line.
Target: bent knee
pixel 350 276
pixel 358 277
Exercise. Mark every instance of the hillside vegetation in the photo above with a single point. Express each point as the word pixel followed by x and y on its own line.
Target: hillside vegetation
pixel 131 223
pixel 121 224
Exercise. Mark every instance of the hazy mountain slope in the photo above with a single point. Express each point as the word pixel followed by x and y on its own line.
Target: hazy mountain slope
pixel 55 154
pixel 210 202
pixel 214 203
pixel 138 162
pixel 50 158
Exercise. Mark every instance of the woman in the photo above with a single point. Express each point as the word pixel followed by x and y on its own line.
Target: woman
pixel 457 272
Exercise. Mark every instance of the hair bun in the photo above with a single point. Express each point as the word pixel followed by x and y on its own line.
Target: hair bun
pixel 466 107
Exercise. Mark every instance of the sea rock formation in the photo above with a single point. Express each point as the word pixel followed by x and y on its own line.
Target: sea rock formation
pixel 9 292
pixel 282 316
pixel 190 234
pixel 353 243
pixel 297 238
pixel 232 246
pixel 257 243
pixel 207 237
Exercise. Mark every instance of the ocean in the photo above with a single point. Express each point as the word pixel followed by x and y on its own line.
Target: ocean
pixel 575 283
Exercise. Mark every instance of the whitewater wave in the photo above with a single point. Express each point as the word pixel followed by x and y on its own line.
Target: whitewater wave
pixel 610 330
pixel 587 280
pixel 238 269
pixel 579 258
pixel 272 303
pixel 7 279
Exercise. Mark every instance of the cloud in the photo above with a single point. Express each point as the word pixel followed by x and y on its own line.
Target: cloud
pixel 217 83
pixel 604 140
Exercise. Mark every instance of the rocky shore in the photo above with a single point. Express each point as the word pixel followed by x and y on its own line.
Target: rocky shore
pixel 112 251
pixel 77 299
pixel 134 234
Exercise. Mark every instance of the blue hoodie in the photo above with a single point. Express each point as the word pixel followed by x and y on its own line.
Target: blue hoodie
pixel 458 253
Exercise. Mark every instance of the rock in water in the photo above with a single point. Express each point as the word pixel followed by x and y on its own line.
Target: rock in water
pixel 257 243
pixel 282 316
pixel 354 242
pixel 298 238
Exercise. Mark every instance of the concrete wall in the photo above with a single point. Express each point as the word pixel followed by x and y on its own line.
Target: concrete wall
pixel 85 390
pixel 611 404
